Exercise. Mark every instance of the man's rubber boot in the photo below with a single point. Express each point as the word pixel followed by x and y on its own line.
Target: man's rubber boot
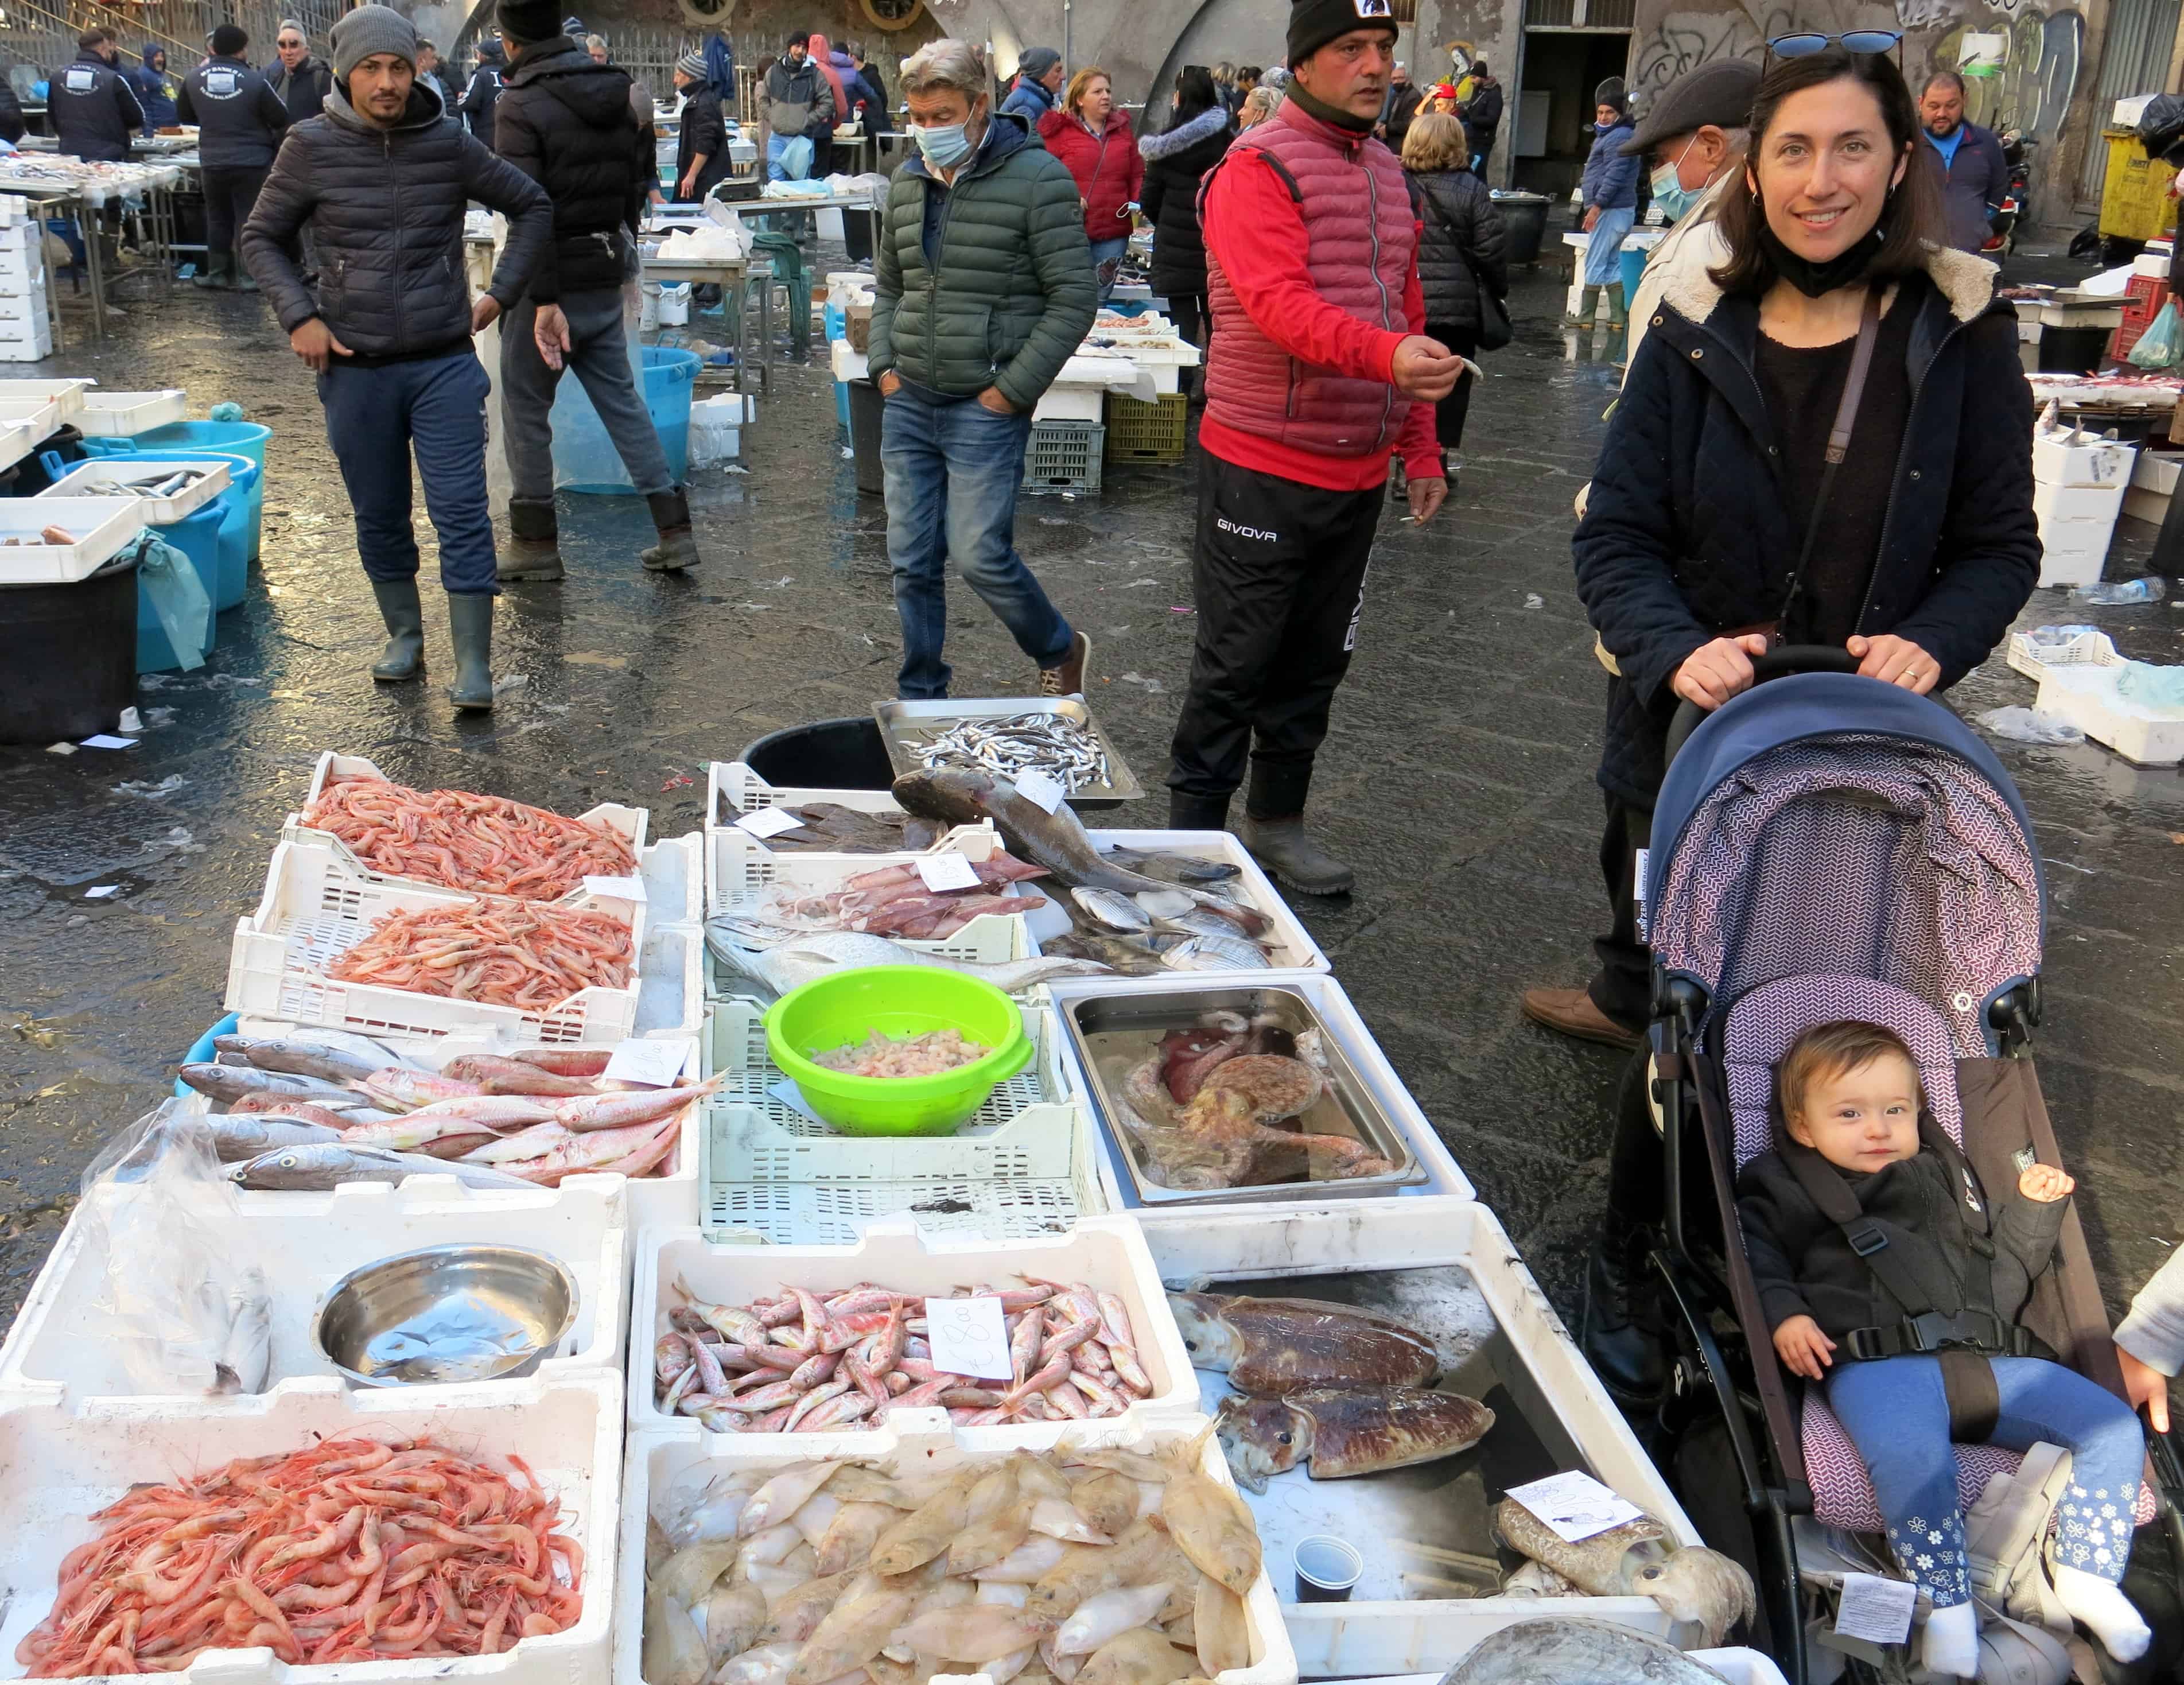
pixel 214 272
pixel 1588 303
pixel 678 548
pixel 1621 1332
pixel 534 547
pixel 1284 848
pixel 243 283
pixel 405 656
pixel 1618 310
pixel 470 625
pixel 1196 813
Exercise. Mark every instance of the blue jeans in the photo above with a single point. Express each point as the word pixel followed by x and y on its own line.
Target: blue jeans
pixel 375 417
pixel 1896 1414
pixel 1106 261
pixel 788 158
pixel 952 469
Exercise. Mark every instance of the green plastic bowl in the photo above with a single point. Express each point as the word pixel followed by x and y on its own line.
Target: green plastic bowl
pixel 899 1000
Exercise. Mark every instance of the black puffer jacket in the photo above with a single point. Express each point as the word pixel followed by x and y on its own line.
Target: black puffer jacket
pixel 568 125
pixel 92 110
pixel 1687 534
pixel 303 90
pixel 240 120
pixel 1462 246
pixel 478 100
pixel 1175 161
pixel 703 133
pixel 385 206
pixel 11 126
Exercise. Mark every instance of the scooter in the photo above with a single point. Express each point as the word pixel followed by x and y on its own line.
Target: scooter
pixel 2015 209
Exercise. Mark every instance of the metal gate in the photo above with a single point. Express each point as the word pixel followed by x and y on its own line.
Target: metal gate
pixel 2134 60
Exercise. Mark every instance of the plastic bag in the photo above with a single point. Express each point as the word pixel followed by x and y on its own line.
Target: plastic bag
pixel 2029 725
pixel 2161 344
pixel 178 596
pixel 2151 686
pixel 2161 124
pixel 184 1314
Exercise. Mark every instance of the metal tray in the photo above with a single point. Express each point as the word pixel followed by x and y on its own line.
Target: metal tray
pixel 905 725
pixel 1350 1107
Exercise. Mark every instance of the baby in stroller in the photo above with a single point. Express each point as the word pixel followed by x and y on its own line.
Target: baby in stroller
pixel 1872 1244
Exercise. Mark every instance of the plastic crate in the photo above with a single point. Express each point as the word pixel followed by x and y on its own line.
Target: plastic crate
pixel 317 906
pixel 2078 681
pixel 124 415
pixel 1063 456
pixel 103 526
pixel 732 790
pixel 99 478
pixel 1147 433
pixel 1106 1253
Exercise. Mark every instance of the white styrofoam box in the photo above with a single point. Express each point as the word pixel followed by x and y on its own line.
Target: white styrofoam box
pixel 102 526
pixel 848 365
pixel 304 1244
pixel 100 478
pixel 34 344
pixel 57 1467
pixel 2156 470
pixel 21 310
pixel 1740 1666
pixel 2152 262
pixel 1293 947
pixel 317 905
pixel 1106 1253
pixel 124 415
pixel 1060 403
pixel 2061 566
pixel 1364 1638
pixel 2071 457
pixel 2125 113
pixel 2078 681
pixel 665 1459
pixel 21 275
pixel 2069 505
pixel 1443 1176
pixel 732 790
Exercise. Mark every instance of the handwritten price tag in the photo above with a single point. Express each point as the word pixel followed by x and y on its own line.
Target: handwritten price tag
pixel 769 821
pixel 969 1337
pixel 1035 787
pixel 1574 1505
pixel 654 1063
pixel 943 872
pixel 621 888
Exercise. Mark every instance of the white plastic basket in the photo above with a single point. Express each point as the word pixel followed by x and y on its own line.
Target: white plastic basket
pixel 97 478
pixel 1292 947
pixel 304 1245
pixel 632 823
pixel 2077 679
pixel 732 790
pixel 318 904
pixel 1108 1252
pixel 2033 657
pixel 667 1457
pixel 45 404
pixel 1548 1377
pixel 102 526
pixel 124 415
pixel 57 1467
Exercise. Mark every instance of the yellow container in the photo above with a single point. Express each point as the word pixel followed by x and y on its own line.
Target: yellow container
pixel 2135 198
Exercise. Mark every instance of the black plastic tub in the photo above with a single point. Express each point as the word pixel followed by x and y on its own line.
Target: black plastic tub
pixel 68 656
pixel 825 755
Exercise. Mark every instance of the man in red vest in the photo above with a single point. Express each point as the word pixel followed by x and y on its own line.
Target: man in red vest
pixel 1318 372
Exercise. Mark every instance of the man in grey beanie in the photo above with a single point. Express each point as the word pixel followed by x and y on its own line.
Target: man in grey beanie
pixel 382 179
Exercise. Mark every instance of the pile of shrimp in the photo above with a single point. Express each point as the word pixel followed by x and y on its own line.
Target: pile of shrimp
pixel 468 841
pixel 499 952
pixel 348 1550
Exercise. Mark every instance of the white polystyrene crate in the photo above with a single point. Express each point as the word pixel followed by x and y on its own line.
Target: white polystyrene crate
pixel 1740 1666
pixel 318 904
pixel 103 526
pixel 1293 947
pixel 304 1244
pixel 732 790
pixel 2086 694
pixel 1358 1639
pixel 2070 564
pixel 100 478
pixel 666 1458
pixel 633 824
pixel 1060 403
pixel 1108 1253
pixel 57 1467
pixel 124 415
pixel 1444 1177
pixel 20 312
pixel 34 345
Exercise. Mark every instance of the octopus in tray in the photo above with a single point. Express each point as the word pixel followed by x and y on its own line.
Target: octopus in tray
pixel 1207 1109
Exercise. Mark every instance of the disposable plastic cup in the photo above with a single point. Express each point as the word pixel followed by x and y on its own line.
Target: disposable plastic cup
pixel 1327 1569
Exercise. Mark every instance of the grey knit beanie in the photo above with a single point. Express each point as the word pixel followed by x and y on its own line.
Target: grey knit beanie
pixel 368 30
pixel 691 64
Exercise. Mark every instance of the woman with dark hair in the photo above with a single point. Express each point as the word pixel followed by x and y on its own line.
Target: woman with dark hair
pixel 1192 143
pixel 1724 517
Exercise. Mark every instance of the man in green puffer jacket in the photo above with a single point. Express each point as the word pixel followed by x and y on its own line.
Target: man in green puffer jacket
pixel 984 289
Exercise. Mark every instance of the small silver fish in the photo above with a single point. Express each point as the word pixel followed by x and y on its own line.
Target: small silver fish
pixel 327 1164
pixel 239 1135
pixel 1112 910
pixel 308 1055
pixel 231 1083
pixel 1217 953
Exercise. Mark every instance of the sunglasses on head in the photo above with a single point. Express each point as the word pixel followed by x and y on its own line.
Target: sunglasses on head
pixel 1803 44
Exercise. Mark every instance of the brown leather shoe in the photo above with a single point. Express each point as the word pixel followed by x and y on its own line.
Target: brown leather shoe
pixel 1068 679
pixel 1572 1013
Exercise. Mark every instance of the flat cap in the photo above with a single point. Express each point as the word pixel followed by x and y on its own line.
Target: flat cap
pixel 1719 93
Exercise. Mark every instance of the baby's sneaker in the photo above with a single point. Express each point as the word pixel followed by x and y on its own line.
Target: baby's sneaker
pixel 2105 1610
pixel 1951 1646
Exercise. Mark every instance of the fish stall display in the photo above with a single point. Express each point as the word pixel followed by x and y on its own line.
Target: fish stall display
pixel 1639 1559
pixel 350 1549
pixel 789 964
pixel 1067 751
pixel 496 949
pixel 887 900
pixel 467 841
pixel 826 828
pixel 316 1109
pixel 807 1362
pixel 845 1570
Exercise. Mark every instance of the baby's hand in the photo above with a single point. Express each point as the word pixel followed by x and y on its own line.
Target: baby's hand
pixel 2045 1184
pixel 1803 1348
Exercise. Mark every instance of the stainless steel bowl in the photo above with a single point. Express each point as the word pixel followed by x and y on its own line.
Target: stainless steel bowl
pixel 447 1314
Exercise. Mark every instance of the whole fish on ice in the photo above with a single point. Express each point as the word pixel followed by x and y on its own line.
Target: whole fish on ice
pixel 1342 1431
pixel 332 1056
pixel 1573 1651
pixel 228 1084
pixel 328 1164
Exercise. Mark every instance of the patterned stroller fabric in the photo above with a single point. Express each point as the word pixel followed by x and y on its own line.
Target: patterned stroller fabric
pixel 1860 855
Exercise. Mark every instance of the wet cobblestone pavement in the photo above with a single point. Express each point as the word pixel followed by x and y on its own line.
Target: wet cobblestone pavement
pixel 1458 777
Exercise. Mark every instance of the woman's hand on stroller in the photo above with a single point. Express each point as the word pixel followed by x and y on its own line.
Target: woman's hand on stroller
pixel 2147 1388
pixel 2045 1184
pixel 1803 1349
pixel 1896 661
pixel 1714 672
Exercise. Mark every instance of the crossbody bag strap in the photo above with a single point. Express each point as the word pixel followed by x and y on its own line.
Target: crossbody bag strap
pixel 1861 361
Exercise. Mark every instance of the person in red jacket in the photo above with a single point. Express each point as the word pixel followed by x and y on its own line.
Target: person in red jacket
pixel 1092 137
pixel 1319 369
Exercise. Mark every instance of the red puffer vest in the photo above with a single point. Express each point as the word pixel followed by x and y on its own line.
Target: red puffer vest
pixel 1358 222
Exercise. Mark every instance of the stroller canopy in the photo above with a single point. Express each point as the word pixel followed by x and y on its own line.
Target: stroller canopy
pixel 1824 822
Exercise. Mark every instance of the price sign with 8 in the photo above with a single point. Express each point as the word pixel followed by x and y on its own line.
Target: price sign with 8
pixel 969 1337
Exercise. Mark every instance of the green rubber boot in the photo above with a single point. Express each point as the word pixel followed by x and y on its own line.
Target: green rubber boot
pixel 470 625
pixel 404 655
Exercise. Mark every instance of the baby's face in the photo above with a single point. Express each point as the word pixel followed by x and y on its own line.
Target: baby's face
pixel 1865 1118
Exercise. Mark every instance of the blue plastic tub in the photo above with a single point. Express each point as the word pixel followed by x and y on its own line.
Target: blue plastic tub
pixel 1634 265
pixel 199 439
pixel 197 537
pixel 201 1051
pixel 837 327
pixel 239 506
pixel 584 457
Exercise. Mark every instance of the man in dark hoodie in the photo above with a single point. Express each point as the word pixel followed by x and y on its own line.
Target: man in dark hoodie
pixel 384 179
pixel 480 97
pixel 567 124
pixel 150 85
pixel 240 122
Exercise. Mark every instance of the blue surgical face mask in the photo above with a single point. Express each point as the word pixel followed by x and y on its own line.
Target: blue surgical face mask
pixel 945 147
pixel 1669 192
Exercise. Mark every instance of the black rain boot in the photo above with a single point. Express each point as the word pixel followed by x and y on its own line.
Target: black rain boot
pixel 243 282
pixel 405 656
pixel 1284 848
pixel 678 548
pixel 1621 1333
pixel 1196 813
pixel 470 625
pixel 214 272
pixel 534 549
